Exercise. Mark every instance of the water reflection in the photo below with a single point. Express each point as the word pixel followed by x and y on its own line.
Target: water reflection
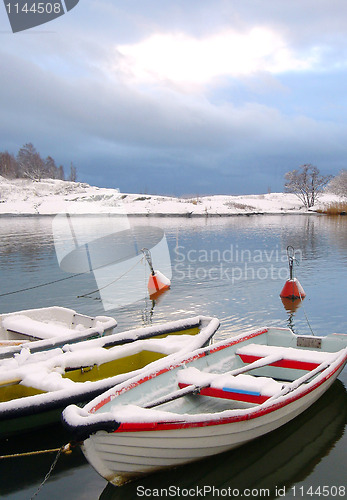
pixel 279 459
pixel 27 258
pixel 243 295
pixel 26 236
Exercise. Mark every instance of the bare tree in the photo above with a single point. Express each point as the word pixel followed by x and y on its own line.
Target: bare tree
pixel 73 173
pixel 30 162
pixel 8 165
pixel 61 173
pixel 51 169
pixel 338 185
pixel 306 183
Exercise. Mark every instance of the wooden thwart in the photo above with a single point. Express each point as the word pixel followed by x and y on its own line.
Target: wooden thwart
pixel 194 389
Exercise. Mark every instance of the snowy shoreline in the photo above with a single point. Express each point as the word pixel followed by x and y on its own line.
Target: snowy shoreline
pixel 24 197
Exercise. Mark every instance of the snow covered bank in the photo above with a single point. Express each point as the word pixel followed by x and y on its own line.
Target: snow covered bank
pixel 51 196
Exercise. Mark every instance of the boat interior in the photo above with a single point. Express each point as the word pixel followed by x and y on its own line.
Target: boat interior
pixel 242 375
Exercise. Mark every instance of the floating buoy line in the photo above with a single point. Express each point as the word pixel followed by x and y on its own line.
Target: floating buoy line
pixel 87 295
pixel 42 284
pixel 157 282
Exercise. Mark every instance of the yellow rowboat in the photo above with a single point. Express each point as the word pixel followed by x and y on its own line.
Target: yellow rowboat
pixel 36 387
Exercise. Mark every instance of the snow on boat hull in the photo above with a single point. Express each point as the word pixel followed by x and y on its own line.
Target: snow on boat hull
pixel 195 426
pixel 45 385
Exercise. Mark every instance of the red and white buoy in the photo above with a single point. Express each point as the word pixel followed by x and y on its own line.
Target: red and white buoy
pixel 157 282
pixel 292 288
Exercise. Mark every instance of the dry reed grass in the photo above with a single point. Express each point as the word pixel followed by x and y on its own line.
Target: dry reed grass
pixel 339 208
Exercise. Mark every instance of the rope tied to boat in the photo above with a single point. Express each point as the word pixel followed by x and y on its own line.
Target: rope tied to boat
pixel 66 449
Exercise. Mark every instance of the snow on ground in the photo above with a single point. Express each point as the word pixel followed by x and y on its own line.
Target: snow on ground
pixel 51 196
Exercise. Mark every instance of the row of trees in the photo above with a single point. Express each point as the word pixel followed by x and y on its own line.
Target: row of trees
pixel 307 183
pixel 29 164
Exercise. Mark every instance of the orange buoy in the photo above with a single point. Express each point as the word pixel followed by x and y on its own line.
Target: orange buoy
pixel 292 289
pixel 156 297
pixel 291 305
pixel 157 283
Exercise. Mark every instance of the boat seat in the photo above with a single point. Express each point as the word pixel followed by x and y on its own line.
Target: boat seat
pixel 23 325
pixel 241 387
pixel 298 359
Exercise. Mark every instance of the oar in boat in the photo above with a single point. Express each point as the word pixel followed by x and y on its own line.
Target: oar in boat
pixel 195 389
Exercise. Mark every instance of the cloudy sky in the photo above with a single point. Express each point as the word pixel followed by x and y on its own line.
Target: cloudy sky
pixel 181 96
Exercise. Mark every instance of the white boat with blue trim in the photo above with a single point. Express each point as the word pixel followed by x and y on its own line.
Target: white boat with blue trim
pixel 215 399
pixel 47 328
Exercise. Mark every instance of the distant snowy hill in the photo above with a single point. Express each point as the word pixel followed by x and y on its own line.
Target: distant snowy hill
pixel 51 196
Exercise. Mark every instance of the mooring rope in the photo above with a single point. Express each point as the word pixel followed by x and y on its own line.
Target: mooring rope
pixel 303 308
pixel 66 449
pixel 42 284
pixel 292 259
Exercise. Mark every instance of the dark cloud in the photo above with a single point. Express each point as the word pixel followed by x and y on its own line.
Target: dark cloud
pixel 65 92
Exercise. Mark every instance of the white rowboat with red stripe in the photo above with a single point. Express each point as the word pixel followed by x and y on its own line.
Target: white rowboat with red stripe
pixel 211 401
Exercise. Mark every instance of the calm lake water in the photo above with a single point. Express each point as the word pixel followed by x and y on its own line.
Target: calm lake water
pixel 232 268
